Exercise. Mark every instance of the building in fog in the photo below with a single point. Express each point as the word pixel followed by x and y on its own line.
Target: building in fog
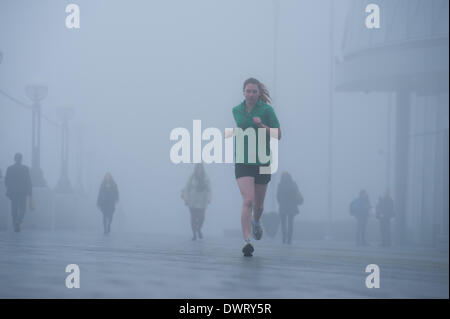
pixel 407 58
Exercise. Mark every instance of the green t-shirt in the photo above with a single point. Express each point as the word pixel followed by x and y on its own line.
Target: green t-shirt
pixel 244 120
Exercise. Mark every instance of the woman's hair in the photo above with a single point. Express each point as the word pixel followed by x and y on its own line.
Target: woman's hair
pixel 264 93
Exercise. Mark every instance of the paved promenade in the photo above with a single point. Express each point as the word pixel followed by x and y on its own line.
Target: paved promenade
pixel 127 265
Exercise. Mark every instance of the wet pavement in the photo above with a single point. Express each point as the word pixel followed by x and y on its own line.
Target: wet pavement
pixel 129 265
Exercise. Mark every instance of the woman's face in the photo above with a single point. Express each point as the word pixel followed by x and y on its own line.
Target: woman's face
pixel 251 93
pixel 108 178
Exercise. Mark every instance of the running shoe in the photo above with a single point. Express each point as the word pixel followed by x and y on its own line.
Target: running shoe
pixel 248 250
pixel 257 230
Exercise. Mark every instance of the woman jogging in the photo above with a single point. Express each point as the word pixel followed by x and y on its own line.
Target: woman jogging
pixel 197 195
pixel 108 196
pixel 255 113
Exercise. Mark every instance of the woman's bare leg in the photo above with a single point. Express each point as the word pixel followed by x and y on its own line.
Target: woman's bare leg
pixel 247 188
pixel 260 194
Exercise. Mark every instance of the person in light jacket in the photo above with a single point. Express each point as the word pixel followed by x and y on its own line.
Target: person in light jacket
pixel 197 195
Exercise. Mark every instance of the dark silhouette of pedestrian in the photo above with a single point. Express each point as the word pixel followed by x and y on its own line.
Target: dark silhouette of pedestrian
pixel 384 213
pixel 197 195
pixel 18 188
pixel 107 198
pixel 289 198
pixel 360 208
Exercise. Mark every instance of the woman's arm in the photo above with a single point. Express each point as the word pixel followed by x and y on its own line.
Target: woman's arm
pixel 258 122
pixel 276 135
pixel 229 132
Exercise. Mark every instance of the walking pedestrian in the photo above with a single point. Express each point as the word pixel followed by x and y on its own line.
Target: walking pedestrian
pixel 197 195
pixel 18 188
pixel 289 198
pixel 360 208
pixel 108 196
pixel 384 213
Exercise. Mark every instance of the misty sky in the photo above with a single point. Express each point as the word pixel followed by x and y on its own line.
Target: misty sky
pixel 137 69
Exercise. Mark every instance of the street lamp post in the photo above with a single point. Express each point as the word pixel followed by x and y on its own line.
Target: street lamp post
pixel 36 93
pixel 65 114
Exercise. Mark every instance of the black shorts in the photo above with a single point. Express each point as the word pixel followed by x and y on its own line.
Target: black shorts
pixel 241 170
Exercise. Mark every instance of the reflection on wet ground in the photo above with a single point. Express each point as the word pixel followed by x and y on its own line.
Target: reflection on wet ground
pixel 127 265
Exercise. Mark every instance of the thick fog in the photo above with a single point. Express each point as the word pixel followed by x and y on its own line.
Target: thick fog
pixel 136 70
